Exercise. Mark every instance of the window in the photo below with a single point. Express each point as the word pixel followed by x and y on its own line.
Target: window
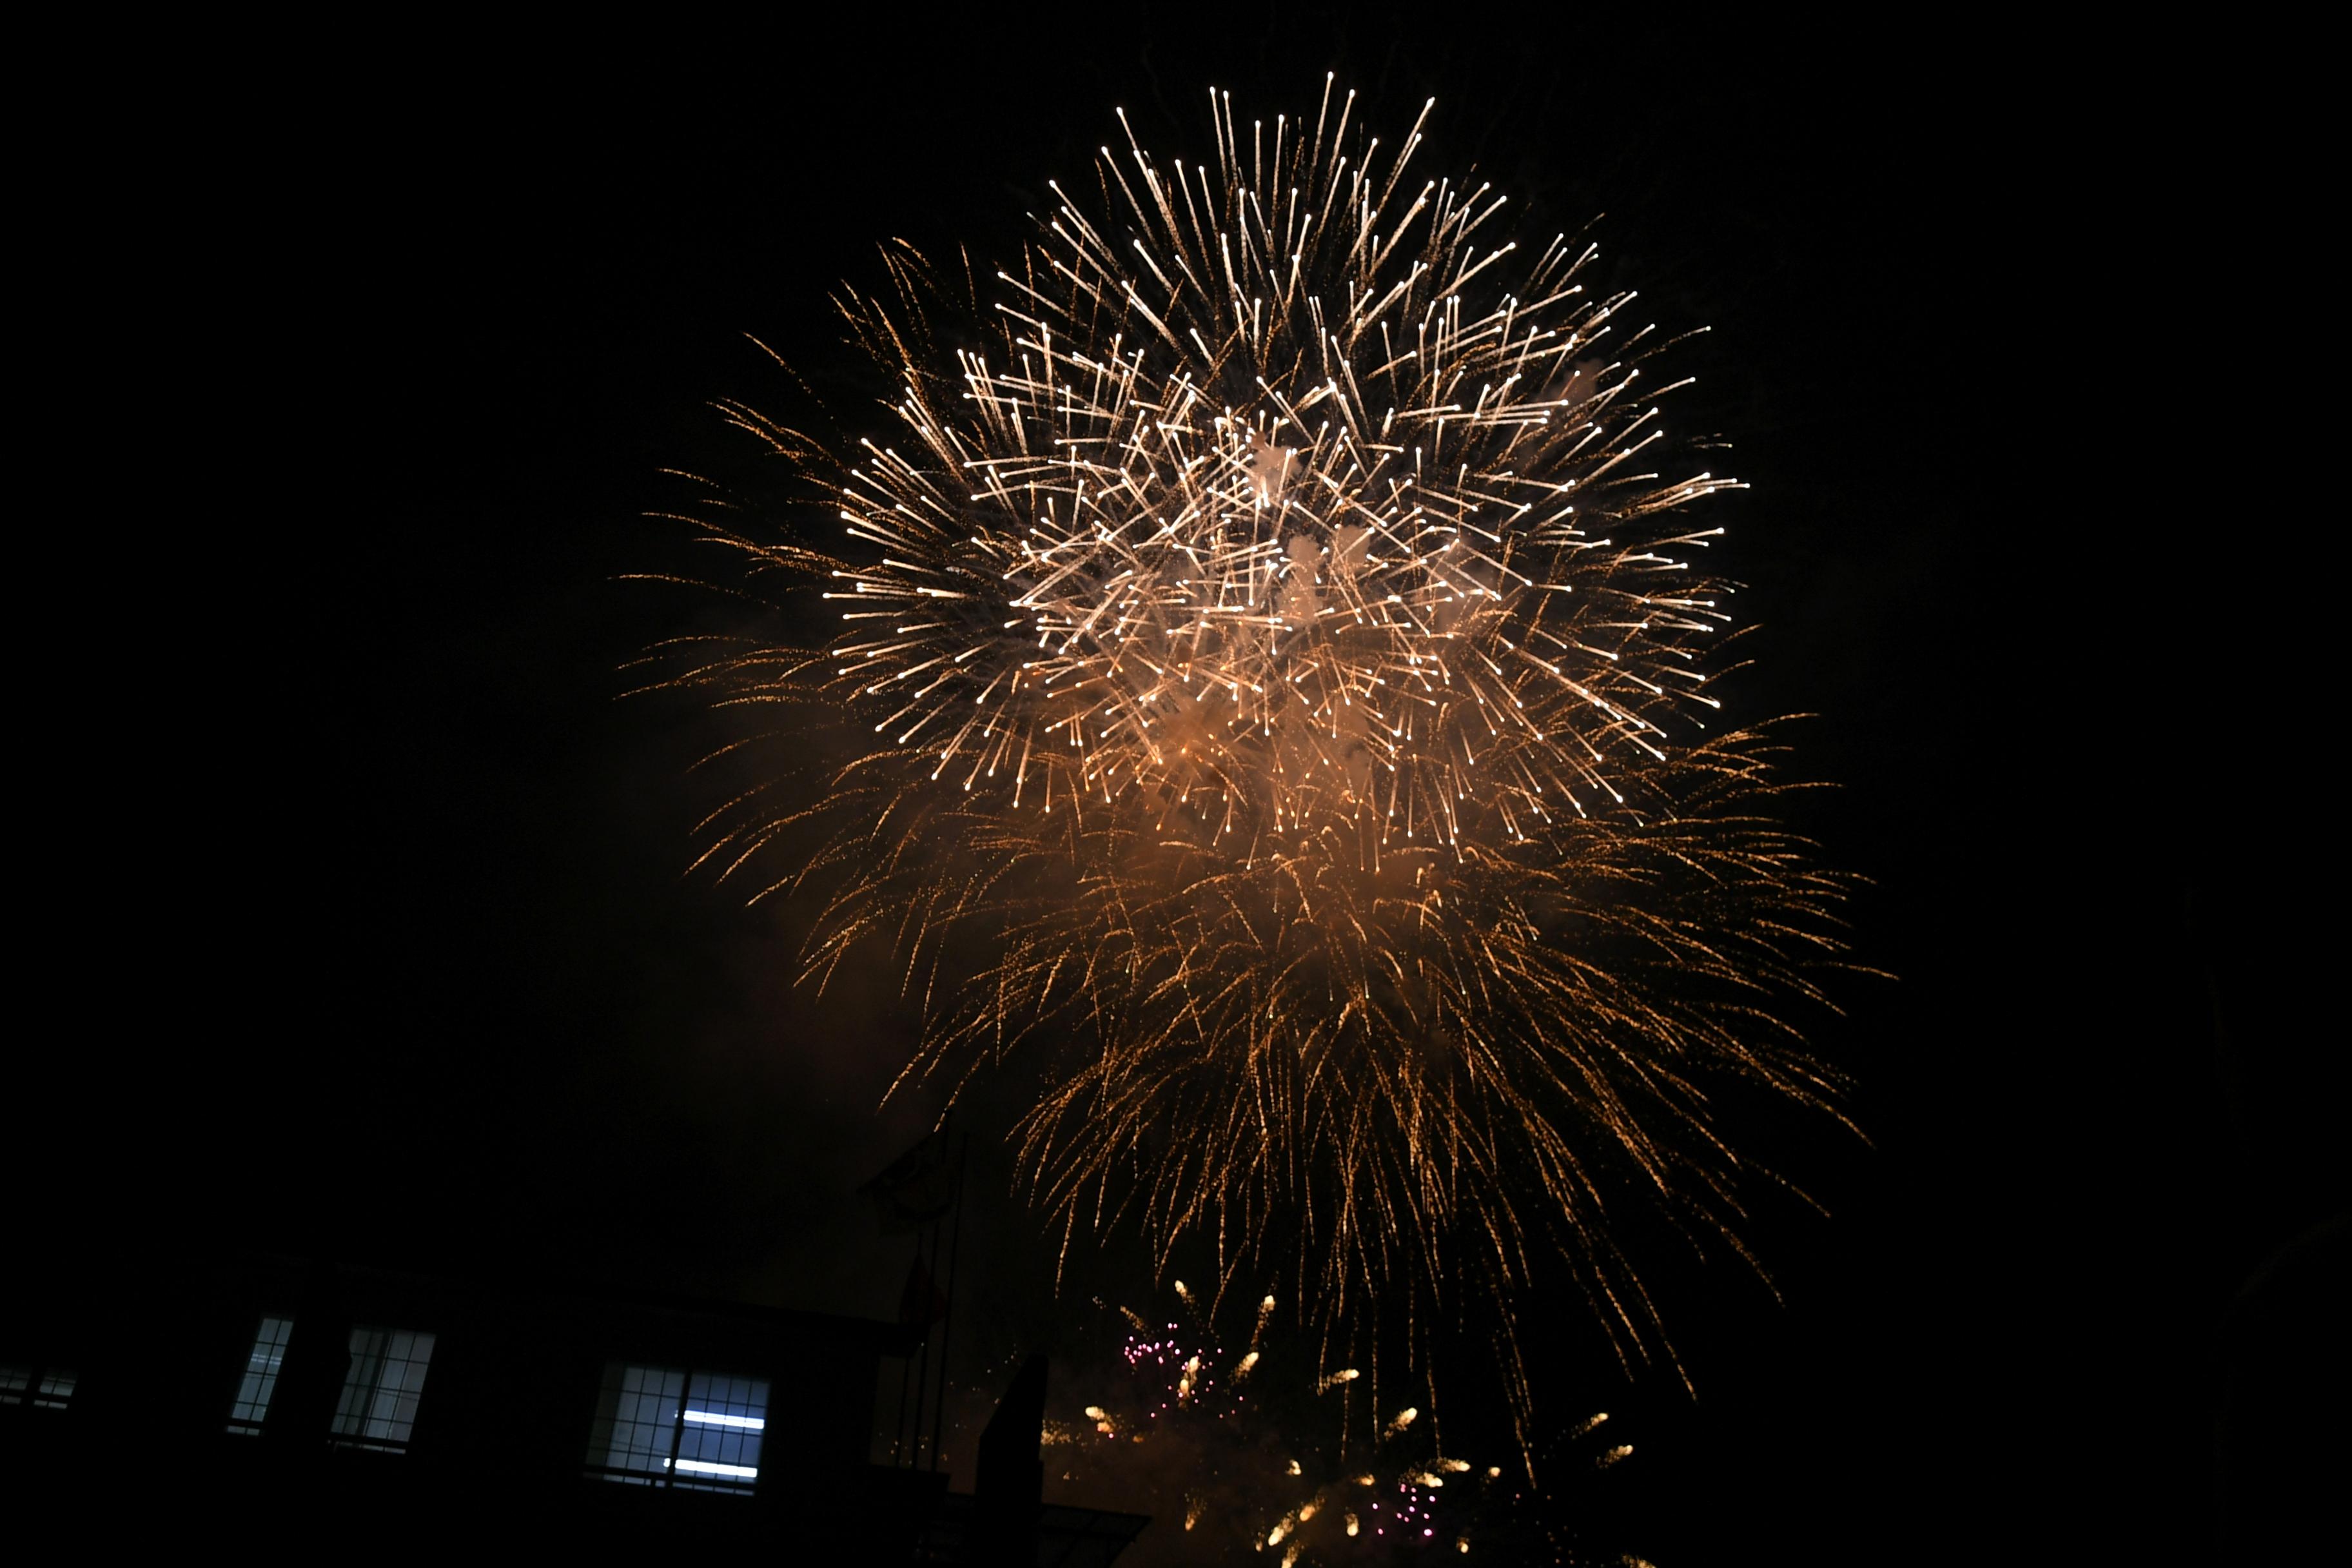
pixel 670 1426
pixel 42 1387
pixel 378 1408
pixel 260 1380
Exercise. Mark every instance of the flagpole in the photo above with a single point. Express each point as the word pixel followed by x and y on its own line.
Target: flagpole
pixel 947 1322
pixel 909 1437
pixel 929 1272
pixel 899 1430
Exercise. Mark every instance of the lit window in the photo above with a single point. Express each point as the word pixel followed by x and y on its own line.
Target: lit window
pixel 670 1427
pixel 636 1422
pixel 260 1380
pixel 378 1408
pixel 42 1387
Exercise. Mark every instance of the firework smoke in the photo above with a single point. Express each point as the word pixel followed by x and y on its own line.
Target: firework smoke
pixel 1280 690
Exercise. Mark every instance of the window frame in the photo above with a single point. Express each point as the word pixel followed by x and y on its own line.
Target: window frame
pixel 693 1455
pixel 257 1388
pixel 361 1405
pixel 47 1386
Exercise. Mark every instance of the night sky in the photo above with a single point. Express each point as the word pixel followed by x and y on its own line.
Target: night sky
pixel 368 885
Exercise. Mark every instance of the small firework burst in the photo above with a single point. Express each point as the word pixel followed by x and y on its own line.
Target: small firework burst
pixel 1163 1422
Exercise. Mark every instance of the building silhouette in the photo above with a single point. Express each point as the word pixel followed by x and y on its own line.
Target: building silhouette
pixel 294 1405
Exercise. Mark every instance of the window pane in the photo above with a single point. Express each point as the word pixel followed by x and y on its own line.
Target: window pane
pixel 378 1407
pixel 636 1421
pixel 260 1380
pixel 724 1419
pixel 48 1388
pixel 664 1425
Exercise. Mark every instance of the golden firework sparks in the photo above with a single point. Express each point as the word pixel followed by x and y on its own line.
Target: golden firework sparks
pixel 1274 644
pixel 1220 1456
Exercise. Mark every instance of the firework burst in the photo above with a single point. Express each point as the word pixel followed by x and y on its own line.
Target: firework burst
pixel 1233 1449
pixel 1278 682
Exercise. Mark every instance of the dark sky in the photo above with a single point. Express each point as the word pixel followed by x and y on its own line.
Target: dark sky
pixel 371 889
